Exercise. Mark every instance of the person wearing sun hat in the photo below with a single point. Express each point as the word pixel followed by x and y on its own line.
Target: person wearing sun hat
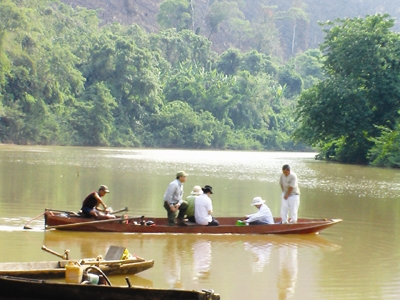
pixel 191 200
pixel 94 199
pixel 262 216
pixel 173 200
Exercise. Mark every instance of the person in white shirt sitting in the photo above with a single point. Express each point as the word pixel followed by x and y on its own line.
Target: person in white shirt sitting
pixel 203 208
pixel 263 216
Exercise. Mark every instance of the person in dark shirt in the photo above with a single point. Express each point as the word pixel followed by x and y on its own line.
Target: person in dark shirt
pixel 93 200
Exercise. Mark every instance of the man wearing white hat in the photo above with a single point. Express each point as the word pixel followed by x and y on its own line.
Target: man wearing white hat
pixel 190 200
pixel 263 216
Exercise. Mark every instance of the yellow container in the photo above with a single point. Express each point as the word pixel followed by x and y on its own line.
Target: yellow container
pixel 73 272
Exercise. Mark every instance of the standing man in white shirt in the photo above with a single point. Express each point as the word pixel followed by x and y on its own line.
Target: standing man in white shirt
pixel 173 200
pixel 203 208
pixel 290 195
pixel 262 216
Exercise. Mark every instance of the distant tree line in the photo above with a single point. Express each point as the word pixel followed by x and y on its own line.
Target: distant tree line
pixel 65 80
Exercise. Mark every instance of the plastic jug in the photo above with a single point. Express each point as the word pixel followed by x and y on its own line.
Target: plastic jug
pixel 73 272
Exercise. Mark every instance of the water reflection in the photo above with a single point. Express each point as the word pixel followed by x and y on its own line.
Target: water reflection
pixel 182 252
pixel 288 269
pixel 261 253
pixel 201 259
pixel 172 262
pixel 287 266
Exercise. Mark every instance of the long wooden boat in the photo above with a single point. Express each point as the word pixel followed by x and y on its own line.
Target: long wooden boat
pixel 56 269
pixel 24 288
pixel 160 225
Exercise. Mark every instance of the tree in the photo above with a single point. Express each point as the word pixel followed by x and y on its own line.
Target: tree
pixel 11 19
pixel 94 116
pixel 178 125
pixel 294 25
pixel 175 14
pixel 309 66
pixel 361 89
pixel 181 46
pixel 229 62
pixel 219 11
pixel 386 149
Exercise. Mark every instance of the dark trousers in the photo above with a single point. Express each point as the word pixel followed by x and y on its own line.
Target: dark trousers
pixel 173 215
pixel 257 223
pixel 213 222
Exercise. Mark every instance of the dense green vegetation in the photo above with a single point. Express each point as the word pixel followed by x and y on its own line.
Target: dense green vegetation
pixel 66 80
pixel 353 114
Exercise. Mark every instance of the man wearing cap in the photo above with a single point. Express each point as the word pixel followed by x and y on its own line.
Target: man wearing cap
pixel 191 200
pixel 203 208
pixel 290 195
pixel 173 200
pixel 263 216
pixel 89 205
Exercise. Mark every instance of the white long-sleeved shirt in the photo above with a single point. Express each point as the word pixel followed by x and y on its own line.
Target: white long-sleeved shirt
pixel 263 215
pixel 174 192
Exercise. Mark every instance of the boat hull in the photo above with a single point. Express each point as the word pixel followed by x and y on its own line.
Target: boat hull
pixel 227 226
pixel 23 288
pixel 56 269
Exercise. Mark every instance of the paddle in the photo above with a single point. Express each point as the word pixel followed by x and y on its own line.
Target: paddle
pixel 91 222
pixel 28 227
pixel 55 210
pixel 120 210
pixel 111 262
pixel 65 256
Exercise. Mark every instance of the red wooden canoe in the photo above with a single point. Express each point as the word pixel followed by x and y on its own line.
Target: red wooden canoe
pixel 227 225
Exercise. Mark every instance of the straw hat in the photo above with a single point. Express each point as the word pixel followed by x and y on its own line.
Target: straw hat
pixel 257 201
pixel 196 190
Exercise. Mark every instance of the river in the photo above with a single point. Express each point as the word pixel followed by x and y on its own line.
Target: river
pixel 355 259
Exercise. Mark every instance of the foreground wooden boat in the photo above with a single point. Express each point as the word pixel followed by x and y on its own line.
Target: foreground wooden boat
pixel 56 269
pixel 160 225
pixel 23 288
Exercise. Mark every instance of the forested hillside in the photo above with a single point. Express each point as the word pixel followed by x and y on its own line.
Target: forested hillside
pixel 279 27
pixel 225 75
pixel 66 80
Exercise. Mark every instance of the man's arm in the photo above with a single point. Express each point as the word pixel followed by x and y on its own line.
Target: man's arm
pixel 169 193
pixel 289 191
pixel 209 207
pixel 100 201
pixel 171 190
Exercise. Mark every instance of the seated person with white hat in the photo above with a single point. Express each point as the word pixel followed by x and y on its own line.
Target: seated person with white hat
pixel 190 200
pixel 263 216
